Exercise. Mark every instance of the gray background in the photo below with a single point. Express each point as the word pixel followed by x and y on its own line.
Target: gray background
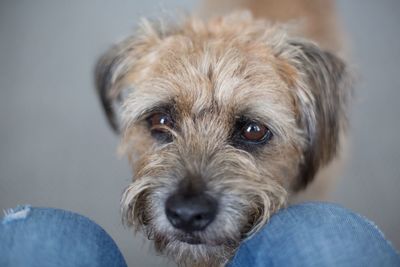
pixel 56 149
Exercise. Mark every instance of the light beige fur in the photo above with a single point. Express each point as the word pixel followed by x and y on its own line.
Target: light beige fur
pixel 211 73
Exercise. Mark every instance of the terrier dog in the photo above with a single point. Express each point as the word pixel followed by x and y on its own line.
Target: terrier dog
pixel 222 120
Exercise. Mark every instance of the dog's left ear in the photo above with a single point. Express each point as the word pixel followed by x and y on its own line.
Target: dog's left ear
pixel 321 93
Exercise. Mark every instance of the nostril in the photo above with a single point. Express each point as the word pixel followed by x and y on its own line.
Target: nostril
pixel 198 217
pixel 174 215
pixel 190 213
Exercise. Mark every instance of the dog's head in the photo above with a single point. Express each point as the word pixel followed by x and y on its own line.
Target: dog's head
pixel 219 120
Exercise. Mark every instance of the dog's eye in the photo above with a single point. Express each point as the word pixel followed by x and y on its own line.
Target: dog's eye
pixel 159 124
pixel 255 132
pixel 249 134
pixel 160 121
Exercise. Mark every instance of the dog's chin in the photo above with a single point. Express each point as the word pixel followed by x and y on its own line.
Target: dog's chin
pixel 192 249
pixel 189 250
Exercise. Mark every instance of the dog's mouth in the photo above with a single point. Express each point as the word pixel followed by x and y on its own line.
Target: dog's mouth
pixel 194 239
pixel 190 239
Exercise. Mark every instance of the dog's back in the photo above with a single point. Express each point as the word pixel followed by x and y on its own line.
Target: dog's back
pixel 312 19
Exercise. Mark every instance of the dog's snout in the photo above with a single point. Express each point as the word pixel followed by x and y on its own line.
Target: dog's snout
pixel 190 213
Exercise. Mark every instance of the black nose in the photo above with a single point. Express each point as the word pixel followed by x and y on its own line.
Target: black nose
pixel 190 212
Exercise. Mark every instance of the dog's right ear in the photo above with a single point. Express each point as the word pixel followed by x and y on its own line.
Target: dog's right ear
pixel 110 69
pixel 126 57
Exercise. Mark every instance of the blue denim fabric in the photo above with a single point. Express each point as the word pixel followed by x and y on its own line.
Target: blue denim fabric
pixel 51 237
pixel 317 234
pixel 312 234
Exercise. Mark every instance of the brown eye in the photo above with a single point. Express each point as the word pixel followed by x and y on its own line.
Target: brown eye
pixel 160 121
pixel 255 132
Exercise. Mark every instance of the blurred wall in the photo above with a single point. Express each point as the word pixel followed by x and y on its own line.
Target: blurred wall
pixel 56 149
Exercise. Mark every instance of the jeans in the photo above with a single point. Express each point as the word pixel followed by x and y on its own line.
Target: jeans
pixel 310 234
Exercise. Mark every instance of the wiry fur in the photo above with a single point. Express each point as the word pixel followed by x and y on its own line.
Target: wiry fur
pixel 208 74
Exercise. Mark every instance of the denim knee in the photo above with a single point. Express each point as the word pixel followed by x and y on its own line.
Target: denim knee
pixel 317 234
pixel 53 237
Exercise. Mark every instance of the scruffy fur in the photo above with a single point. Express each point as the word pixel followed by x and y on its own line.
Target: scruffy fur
pixel 208 74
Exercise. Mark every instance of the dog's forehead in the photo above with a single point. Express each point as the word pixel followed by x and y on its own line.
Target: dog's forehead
pixel 210 75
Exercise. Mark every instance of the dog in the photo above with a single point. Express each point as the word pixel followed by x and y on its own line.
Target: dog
pixel 223 120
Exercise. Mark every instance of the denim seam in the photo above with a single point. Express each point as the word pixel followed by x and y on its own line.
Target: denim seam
pixel 381 234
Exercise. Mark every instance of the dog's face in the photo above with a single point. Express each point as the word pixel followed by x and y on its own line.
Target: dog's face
pixel 220 120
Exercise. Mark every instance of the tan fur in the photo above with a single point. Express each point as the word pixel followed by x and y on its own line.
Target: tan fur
pixel 315 19
pixel 211 73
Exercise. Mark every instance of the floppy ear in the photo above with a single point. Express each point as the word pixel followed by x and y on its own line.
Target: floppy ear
pixel 110 69
pixel 321 96
pixel 128 56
